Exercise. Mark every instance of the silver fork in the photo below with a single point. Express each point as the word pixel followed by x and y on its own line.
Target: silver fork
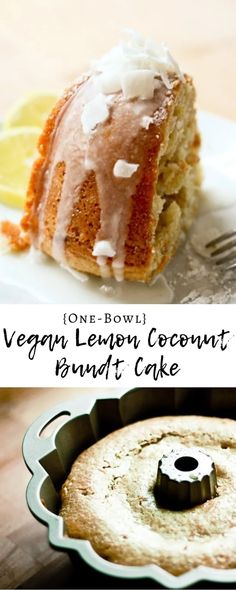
pixel 224 250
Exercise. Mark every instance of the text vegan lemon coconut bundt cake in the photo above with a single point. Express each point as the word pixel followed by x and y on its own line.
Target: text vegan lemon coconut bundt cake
pixel 117 177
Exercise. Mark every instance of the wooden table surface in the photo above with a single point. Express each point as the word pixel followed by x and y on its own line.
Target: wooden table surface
pixel 44 44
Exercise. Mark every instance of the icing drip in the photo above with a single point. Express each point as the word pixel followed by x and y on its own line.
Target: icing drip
pixel 123 169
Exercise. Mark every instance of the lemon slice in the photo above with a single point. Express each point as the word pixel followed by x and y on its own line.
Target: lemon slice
pixel 17 152
pixel 32 110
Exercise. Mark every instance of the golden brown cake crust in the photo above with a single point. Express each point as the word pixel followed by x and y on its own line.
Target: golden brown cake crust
pixel 108 497
pixel 140 260
pixel 29 221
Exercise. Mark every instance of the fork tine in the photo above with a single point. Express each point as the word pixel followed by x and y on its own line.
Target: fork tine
pixel 224 248
pixel 221 238
pixel 231 267
pixel 228 258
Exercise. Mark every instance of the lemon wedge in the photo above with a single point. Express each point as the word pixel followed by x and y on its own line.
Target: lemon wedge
pixel 18 150
pixel 32 110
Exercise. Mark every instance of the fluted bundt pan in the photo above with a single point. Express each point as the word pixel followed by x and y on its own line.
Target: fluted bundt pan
pixel 82 423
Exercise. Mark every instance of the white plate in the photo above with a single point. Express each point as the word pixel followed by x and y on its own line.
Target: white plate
pixel 189 278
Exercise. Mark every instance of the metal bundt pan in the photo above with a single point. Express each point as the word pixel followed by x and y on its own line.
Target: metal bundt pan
pixel 83 423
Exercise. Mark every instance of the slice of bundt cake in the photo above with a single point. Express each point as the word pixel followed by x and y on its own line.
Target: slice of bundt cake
pixel 117 179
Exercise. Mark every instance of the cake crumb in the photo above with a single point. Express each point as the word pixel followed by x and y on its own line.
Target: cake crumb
pixel 17 240
pixel 107 290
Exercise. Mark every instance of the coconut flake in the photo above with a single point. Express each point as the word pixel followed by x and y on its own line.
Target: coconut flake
pixel 123 169
pixel 138 83
pixel 103 248
pixel 94 112
pixel 134 57
pixel 109 82
pixel 146 121
pixel 174 63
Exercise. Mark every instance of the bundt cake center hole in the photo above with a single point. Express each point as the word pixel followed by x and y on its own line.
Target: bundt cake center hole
pixel 186 463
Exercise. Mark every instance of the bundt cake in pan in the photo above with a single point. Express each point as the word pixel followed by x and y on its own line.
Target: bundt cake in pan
pixel 117 177
pixel 111 498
